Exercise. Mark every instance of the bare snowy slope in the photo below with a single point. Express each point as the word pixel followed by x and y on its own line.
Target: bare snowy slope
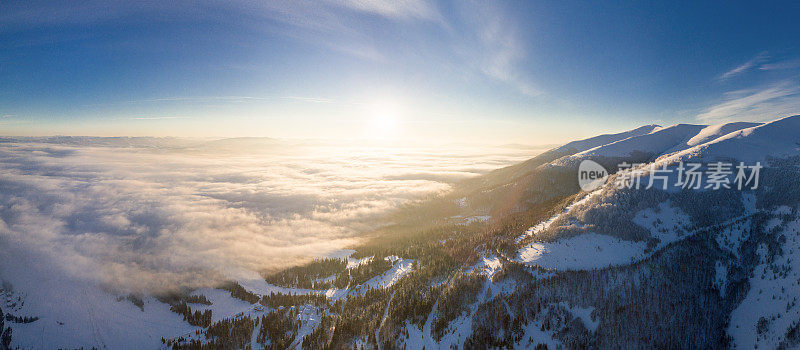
pixel 661 141
pixel 780 139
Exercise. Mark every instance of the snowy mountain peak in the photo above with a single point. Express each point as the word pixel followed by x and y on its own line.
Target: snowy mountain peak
pixel 593 142
pixel 778 138
pixel 690 141
pixel 712 132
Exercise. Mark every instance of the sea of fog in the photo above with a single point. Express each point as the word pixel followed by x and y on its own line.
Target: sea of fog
pixel 143 214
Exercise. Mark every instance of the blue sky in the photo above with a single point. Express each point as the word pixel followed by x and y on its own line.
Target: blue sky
pixel 533 72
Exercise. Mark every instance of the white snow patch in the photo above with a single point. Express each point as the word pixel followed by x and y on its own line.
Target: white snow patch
pixel 721 277
pixel 545 224
pixel 400 269
pixel 487 265
pixel 533 335
pixel 310 318
pixel 353 263
pixel 223 305
pixel 667 223
pixel 588 251
pixel 772 223
pixel 584 314
pixel 476 218
pixel 783 209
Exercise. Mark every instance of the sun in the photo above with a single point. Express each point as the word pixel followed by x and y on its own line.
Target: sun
pixel 383 119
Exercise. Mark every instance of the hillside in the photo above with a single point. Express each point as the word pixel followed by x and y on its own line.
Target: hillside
pixel 519 257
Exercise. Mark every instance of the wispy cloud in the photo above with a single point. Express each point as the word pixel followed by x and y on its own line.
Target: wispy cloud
pixel 781 65
pixel 308 99
pixel 504 53
pixel 762 104
pixel 400 9
pixel 11 119
pixel 208 100
pixel 335 24
pixel 202 99
pixel 205 99
pixel 761 62
pixel 157 118
pixel 187 99
pixel 744 67
pixel 473 39
pixel 499 48
pixel 481 37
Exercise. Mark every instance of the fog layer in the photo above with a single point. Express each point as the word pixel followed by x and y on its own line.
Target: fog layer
pixel 141 215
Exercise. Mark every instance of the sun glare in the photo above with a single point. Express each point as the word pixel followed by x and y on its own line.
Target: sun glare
pixel 383 119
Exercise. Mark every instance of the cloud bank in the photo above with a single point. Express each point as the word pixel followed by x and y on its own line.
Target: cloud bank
pixel 142 215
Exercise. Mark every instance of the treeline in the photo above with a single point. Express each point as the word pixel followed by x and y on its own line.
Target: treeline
pixel 5 333
pixel 197 299
pixel 238 292
pixel 494 326
pixel 196 318
pixel 174 297
pixel 454 300
pixel 319 337
pixel 363 272
pixel 308 276
pixel 225 334
pixel 5 338
pixel 358 316
pixel 20 319
pixel 231 333
pixel 279 328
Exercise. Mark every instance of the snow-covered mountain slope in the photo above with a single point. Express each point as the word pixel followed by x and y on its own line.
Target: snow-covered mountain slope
pixel 72 314
pixel 597 141
pixel 656 142
pixel 712 132
pixel 778 139
pixel 46 310
pixel 506 175
pixel 663 269
pixel 661 141
pixel 742 243
pixel 641 145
